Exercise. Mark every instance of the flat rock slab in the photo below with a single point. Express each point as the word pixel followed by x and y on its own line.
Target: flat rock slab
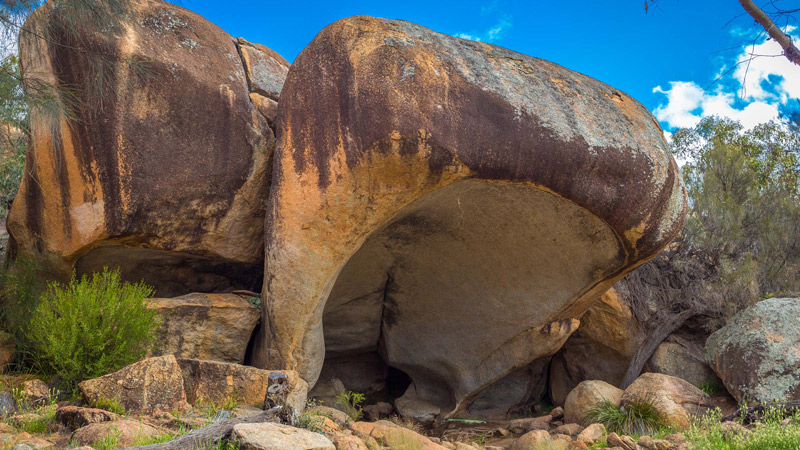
pixel 273 436
pixel 124 433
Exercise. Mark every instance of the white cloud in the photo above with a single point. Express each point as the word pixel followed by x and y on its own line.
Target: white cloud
pixel 751 93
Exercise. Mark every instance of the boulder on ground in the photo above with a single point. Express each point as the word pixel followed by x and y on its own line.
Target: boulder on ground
pixel 124 433
pixel 682 358
pixel 214 382
pixel 215 327
pixel 458 203
pixel 757 353
pixel 166 180
pixel 8 346
pixel 587 395
pixel 601 348
pixel 532 440
pixel 274 436
pixel 75 417
pixel 592 434
pixel 391 435
pixel 153 383
pixel 676 399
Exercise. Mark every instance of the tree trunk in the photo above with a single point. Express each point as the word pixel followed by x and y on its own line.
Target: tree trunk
pixel 651 344
pixel 789 50
pixel 207 437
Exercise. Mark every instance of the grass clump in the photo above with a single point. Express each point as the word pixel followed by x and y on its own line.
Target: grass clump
pixel 770 433
pixel 92 326
pixel 637 416
pixel 710 387
pixel 109 405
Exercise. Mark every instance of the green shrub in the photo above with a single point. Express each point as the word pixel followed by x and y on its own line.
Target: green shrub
pixel 109 405
pixel 93 326
pixel 350 402
pixel 710 387
pixel 20 286
pixel 636 416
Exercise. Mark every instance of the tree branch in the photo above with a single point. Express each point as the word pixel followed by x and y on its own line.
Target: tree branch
pixel 789 50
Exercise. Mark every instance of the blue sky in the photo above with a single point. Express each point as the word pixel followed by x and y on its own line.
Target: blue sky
pixel 667 58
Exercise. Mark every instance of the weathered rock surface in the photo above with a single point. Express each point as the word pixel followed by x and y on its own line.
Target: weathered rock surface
pixel 168 180
pixel 215 382
pixel 274 436
pixel 214 327
pixel 455 204
pixel 532 440
pixel 601 348
pixel 682 358
pixel 392 435
pixel 757 353
pixel 125 432
pixel 153 383
pixel 8 405
pixel 587 395
pixel 674 398
pixel 76 417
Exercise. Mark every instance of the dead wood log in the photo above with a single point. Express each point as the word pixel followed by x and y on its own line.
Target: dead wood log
pixel 207 437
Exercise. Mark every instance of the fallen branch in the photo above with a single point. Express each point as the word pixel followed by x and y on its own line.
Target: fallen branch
pixel 755 413
pixel 209 436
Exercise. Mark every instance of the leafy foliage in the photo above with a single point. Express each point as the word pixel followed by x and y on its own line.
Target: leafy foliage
pixel 93 326
pixel 636 416
pixel 20 286
pixel 350 402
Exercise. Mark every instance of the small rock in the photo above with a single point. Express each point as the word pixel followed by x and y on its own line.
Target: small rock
pixel 624 442
pixel 76 417
pixel 22 447
pixel 531 440
pixel 592 434
pixel 557 413
pixel 389 434
pixel 8 405
pixel 648 443
pixel 124 430
pixel 571 429
pixel 348 442
pixel 562 437
pixel 35 391
pixel 417 409
pixel 504 432
pixel 378 411
pixel 676 438
pixel 530 424
pixel 273 436
pixel 578 445
pixel 340 417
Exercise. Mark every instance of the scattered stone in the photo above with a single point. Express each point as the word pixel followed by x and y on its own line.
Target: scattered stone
pixel 153 383
pixel 587 395
pixel 274 436
pixel 340 417
pixel 674 398
pixel 35 391
pixel 530 424
pixel 565 438
pixel 390 434
pixel 417 409
pixel 571 429
pixel 348 442
pixel 755 352
pixel 217 382
pixel 76 417
pixel 214 327
pixel 557 413
pixel 531 440
pixel 378 411
pixel 624 442
pixel 592 434
pixel 125 431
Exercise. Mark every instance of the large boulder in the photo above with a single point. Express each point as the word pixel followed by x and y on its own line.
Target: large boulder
pixel 588 395
pixel 757 353
pixel 216 327
pixel 142 387
pixel 601 348
pixel 683 358
pixel 166 177
pixel 454 204
pixel 675 399
pixel 123 433
pixel 274 436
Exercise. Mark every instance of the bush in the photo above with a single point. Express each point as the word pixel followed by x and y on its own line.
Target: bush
pixel 92 326
pixel 637 416
pixel 21 285
pixel 350 402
